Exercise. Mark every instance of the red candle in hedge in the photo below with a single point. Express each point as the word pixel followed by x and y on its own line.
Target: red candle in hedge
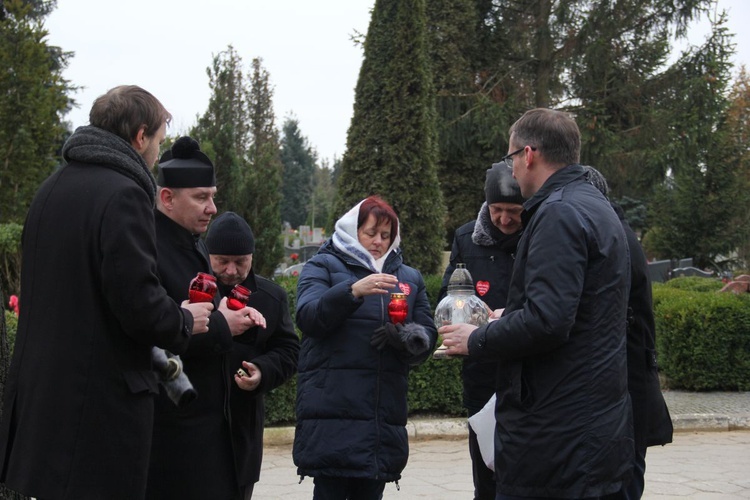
pixel 238 297
pixel 202 288
pixel 398 308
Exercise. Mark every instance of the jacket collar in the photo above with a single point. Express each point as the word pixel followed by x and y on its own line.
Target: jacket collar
pixel 556 181
pixel 174 232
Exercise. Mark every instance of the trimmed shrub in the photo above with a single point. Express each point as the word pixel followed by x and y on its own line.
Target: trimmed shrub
pixel 703 339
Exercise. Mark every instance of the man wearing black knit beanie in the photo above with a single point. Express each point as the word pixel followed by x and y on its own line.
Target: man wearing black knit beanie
pixel 261 360
pixel 486 245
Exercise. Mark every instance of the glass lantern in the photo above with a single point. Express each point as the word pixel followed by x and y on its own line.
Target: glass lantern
pixel 460 305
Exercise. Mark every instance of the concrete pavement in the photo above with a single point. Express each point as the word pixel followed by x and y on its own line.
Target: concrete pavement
pixel 706 465
pixel 707 460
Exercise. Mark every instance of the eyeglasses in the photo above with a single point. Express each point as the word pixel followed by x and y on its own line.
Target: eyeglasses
pixel 508 159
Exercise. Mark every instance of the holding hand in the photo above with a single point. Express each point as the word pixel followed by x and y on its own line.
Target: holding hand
pixel 456 338
pixel 410 337
pixel 241 320
pixel 248 377
pixel 374 284
pixel 200 312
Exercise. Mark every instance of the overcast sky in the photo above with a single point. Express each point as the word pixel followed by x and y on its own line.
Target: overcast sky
pixel 165 47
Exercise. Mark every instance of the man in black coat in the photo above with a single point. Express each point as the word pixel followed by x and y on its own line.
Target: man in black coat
pixel 563 415
pixel 262 358
pixel 652 424
pixel 78 409
pixel 191 454
pixel 487 246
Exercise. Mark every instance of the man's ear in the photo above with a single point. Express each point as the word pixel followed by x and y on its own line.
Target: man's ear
pixel 166 198
pixel 139 141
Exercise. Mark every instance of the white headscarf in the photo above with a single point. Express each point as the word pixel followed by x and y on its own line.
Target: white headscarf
pixel 345 239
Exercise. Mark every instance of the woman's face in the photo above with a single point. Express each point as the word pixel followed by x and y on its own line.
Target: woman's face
pixel 376 238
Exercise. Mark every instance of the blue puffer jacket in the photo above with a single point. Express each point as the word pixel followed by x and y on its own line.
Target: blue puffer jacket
pixel 351 398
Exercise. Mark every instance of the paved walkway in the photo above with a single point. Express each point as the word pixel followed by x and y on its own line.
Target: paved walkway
pixel 701 463
pixel 696 466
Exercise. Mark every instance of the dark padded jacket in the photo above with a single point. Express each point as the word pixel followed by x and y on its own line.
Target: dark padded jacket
pixel 564 423
pixel 351 398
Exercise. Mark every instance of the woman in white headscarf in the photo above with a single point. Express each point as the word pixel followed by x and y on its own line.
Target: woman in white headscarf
pixel 354 362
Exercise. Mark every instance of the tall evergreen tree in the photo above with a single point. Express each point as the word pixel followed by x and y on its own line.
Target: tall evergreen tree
pixel 33 100
pixel 299 161
pixel 697 209
pixel 224 129
pixel 738 124
pixel 475 108
pixel 238 133
pixel 324 195
pixel 392 140
pixel 261 198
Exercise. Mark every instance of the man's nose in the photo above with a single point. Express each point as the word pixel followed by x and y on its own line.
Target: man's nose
pixel 211 207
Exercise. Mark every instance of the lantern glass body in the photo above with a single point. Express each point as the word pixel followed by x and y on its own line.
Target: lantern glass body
pixel 238 297
pixel 398 308
pixel 202 288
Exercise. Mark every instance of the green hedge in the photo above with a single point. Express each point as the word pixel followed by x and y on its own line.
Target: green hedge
pixel 702 337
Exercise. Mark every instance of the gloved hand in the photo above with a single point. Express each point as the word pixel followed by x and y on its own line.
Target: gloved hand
pixel 410 337
pixel 387 334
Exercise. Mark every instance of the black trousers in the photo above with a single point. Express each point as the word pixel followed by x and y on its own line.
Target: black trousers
pixel 484 480
pixel 344 488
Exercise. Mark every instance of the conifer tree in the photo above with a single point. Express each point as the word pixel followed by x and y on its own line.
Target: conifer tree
pixel 261 198
pixel 392 140
pixel 299 161
pixel 33 100
pixel 238 133
pixel 696 211
pixel 223 131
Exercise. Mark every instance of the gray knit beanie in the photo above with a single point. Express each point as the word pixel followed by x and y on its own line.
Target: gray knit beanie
pixel 230 234
pixel 500 186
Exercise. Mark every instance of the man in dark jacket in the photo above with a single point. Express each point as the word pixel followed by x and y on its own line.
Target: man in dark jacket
pixel 652 424
pixel 564 423
pixel 487 246
pixel 78 407
pixel 191 453
pixel 267 356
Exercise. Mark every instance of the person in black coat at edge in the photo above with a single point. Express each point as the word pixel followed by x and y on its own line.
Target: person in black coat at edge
pixel 262 359
pixel 487 246
pixel 79 398
pixel 191 452
pixel 652 424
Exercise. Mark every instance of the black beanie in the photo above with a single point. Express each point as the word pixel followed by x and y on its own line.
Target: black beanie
pixel 500 186
pixel 185 166
pixel 229 234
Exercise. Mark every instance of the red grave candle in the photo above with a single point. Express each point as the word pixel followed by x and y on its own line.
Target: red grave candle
pixel 238 297
pixel 398 308
pixel 202 288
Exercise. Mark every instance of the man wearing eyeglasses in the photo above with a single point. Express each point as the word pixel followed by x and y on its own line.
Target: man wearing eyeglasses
pixel 564 424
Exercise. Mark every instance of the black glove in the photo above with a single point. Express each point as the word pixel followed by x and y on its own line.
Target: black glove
pixel 410 337
pixel 387 334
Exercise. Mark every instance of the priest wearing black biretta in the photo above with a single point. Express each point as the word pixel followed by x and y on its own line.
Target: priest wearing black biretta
pixel 196 437
pixel 185 166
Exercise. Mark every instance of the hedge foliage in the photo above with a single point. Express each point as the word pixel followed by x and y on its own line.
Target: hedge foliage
pixel 702 337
